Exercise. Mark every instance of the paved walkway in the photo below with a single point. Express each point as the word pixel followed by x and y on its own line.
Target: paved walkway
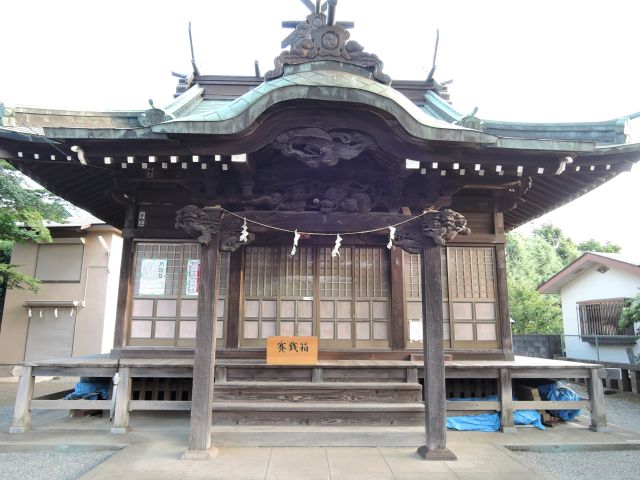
pixel 154 446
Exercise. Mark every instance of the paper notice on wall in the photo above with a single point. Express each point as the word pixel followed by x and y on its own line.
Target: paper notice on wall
pixel 193 277
pixel 153 276
pixel 415 330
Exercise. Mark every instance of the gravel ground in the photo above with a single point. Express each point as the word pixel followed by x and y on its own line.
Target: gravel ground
pixel 49 465
pixel 623 410
pixel 587 465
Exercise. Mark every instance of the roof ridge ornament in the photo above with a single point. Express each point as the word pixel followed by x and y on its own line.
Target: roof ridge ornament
pixel 153 116
pixel 320 39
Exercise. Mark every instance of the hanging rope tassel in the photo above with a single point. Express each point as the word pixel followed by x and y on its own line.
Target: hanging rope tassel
pixel 244 234
pixel 392 232
pixel 336 247
pixel 296 237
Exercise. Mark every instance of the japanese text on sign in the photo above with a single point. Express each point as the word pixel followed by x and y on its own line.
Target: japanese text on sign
pixel 292 350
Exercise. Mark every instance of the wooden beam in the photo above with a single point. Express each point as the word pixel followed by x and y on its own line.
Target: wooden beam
pixel 435 410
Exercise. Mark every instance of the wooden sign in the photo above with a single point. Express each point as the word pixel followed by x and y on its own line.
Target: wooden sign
pixel 292 350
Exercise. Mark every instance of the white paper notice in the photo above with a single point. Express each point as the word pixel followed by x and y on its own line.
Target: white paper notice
pixel 193 277
pixel 153 276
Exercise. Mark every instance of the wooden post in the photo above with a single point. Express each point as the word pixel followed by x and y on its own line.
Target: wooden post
pixel 235 298
pixel 435 407
pixel 123 395
pixel 506 402
pixel 503 292
pixel 21 413
pixel 635 381
pixel 397 328
pixel 207 223
pixel 125 285
pixel 596 397
pixel 625 381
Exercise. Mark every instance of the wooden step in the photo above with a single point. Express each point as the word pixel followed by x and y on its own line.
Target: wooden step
pixel 318 413
pixel 296 392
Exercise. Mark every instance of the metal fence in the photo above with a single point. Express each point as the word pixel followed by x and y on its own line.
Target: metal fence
pixel 622 349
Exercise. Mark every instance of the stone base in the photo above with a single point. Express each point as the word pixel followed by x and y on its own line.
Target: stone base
pixel 593 428
pixel 509 430
pixel 18 429
pixel 441 454
pixel 119 430
pixel 200 454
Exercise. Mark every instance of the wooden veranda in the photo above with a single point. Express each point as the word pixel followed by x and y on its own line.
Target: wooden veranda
pixel 333 392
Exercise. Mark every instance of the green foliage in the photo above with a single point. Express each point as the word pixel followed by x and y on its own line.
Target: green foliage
pixel 533 260
pixel 23 211
pixel 567 250
pixel 593 245
pixel 631 312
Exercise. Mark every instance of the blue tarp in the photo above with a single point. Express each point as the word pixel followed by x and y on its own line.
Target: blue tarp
pixel 90 389
pixel 490 422
pixel 557 391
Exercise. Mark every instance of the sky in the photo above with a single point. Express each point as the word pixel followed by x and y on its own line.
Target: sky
pixel 538 61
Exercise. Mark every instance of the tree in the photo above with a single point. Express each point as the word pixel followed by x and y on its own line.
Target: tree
pixel 532 261
pixel 23 211
pixel 593 245
pixel 631 312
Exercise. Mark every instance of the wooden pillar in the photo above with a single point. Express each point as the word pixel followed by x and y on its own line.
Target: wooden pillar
pixel 503 300
pixel 207 222
pixel 506 401
pixel 596 397
pixel 235 298
pixel 125 285
pixel 435 407
pixel 397 327
pixel 123 395
pixel 21 413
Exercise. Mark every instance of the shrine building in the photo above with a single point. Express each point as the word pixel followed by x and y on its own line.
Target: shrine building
pixel 321 199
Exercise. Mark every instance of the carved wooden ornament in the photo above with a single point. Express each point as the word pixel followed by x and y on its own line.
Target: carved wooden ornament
pixel 194 220
pixel 314 40
pixel 440 227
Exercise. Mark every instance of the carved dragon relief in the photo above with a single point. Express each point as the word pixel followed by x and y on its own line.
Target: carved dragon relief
pixel 440 226
pixel 313 195
pixel 314 40
pixel 316 147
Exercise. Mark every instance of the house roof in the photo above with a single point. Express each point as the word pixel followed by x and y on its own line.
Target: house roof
pixel 586 261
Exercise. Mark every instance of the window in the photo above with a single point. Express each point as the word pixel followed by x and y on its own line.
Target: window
pixel 59 262
pixel 344 300
pixel 165 297
pixel 601 317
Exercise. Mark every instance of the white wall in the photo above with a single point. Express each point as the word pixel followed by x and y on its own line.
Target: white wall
pixel 593 285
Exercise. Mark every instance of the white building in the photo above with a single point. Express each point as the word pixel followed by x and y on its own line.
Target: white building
pixel 592 290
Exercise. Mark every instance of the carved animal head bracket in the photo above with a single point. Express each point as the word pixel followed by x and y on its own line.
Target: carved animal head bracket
pixel 196 221
pixel 441 227
pixel 444 225
pixel 316 147
pixel 315 40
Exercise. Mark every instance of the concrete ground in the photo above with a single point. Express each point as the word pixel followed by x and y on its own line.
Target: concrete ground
pixel 155 444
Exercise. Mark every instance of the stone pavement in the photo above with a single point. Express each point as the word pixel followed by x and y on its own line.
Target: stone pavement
pixel 155 444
